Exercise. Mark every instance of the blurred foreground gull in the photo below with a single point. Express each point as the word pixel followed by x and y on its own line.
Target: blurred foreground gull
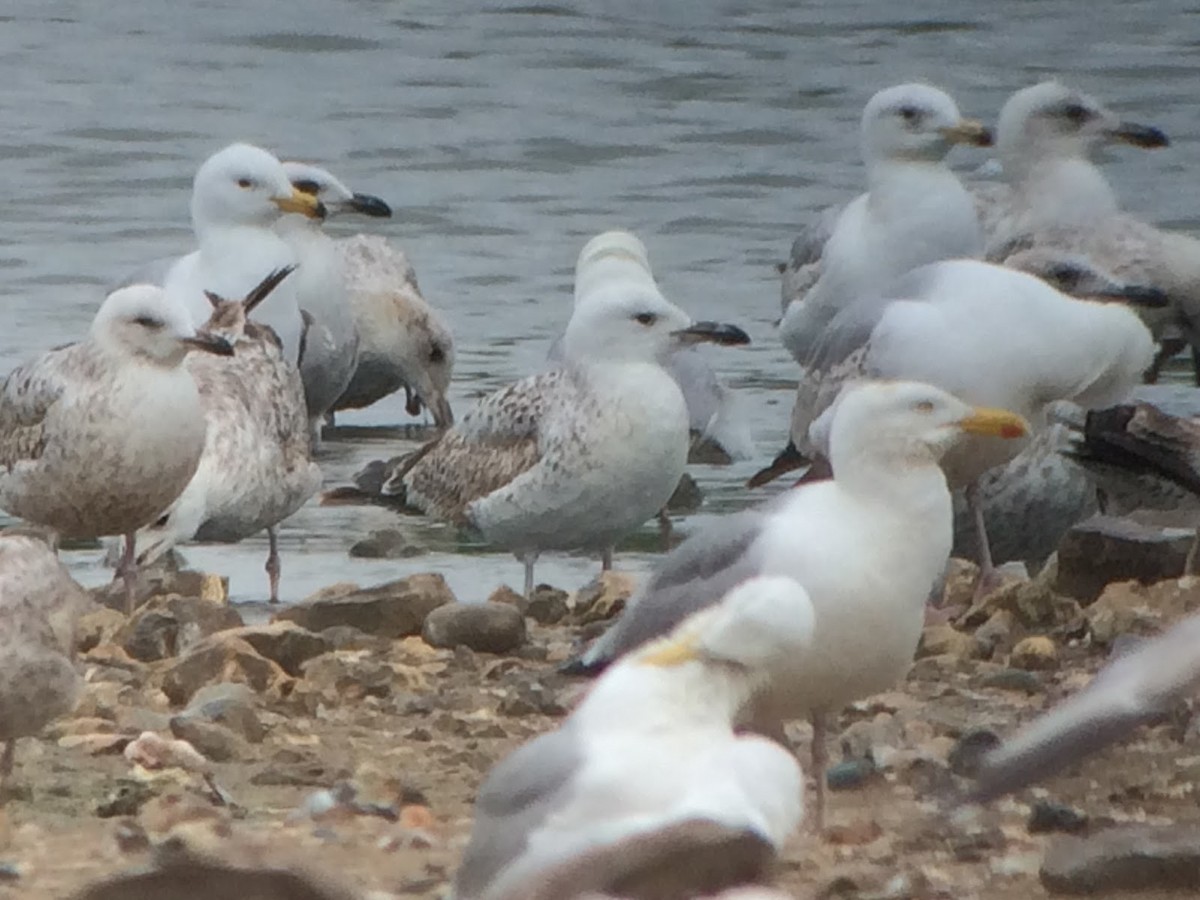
pixel 331 336
pixel 403 341
pixel 989 335
pixel 646 782
pixel 1136 688
pixel 867 546
pixel 914 211
pixel 238 194
pixel 98 438
pixel 39 605
pixel 713 409
pixel 256 469
pixel 574 458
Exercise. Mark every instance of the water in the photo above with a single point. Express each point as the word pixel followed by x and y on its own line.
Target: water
pixel 505 137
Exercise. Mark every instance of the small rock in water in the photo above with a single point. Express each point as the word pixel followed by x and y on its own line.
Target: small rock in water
pixel 388 543
pixel 396 609
pixel 1035 653
pixel 484 627
pixel 1047 815
pixel 1105 549
pixel 968 753
pixel 686 497
pixel 1125 858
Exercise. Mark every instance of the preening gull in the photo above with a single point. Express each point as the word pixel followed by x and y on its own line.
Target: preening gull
pixel 403 341
pixel 646 782
pixel 39 606
pixel 1136 688
pixel 238 194
pixel 866 545
pixel 714 412
pixel 989 335
pixel 331 339
pixel 577 457
pixel 256 469
pixel 98 438
pixel 914 211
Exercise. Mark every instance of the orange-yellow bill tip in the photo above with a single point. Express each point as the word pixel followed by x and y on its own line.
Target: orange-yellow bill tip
pixel 994 423
pixel 669 652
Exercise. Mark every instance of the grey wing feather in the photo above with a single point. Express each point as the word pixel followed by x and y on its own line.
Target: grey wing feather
pixel 518 795
pixel 26 398
pixel 803 267
pixel 694 576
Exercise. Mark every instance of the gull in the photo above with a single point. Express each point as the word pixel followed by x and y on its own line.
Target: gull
pixel 914 211
pixel 1134 689
pixel 99 437
pixel 646 781
pixel 331 339
pixel 577 457
pixel 989 335
pixel 403 341
pixel 238 194
pixel 256 468
pixel 867 547
pixel 39 605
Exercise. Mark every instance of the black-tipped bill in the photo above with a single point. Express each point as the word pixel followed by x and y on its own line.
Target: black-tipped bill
pixel 368 205
pixel 1139 295
pixel 1146 136
pixel 209 343
pixel 713 333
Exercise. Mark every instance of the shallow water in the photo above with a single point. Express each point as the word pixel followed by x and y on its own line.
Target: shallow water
pixel 505 137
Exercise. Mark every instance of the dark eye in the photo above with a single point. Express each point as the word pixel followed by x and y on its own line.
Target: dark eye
pixel 910 113
pixel 148 322
pixel 1065 276
pixel 307 186
pixel 437 354
pixel 1076 113
pixel 245 183
pixel 645 318
pixel 923 406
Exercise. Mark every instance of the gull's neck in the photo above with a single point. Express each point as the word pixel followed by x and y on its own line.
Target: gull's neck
pixel 906 479
pixel 1061 191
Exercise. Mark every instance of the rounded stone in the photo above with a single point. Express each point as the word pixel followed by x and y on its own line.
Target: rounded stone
pixel 484 627
pixel 1035 653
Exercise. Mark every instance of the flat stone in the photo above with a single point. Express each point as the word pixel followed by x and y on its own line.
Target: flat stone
pixel 484 627
pixel 215 742
pixel 344 676
pixel 1046 816
pixel 395 609
pixel 286 643
pixel 220 658
pixel 168 625
pixel 230 704
pixel 1125 858
pixel 1129 608
pixel 1036 653
pixel 1019 680
pixel 1105 549
pixel 388 543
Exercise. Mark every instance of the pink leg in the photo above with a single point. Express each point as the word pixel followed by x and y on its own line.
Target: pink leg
pixel 272 565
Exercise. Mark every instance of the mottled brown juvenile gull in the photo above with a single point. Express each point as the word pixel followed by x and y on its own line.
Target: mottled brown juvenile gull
pixel 39 605
pixel 867 547
pixel 914 211
pixel 403 341
pixel 238 195
pixel 331 339
pixel 256 468
pixel 1136 688
pixel 574 458
pixel 98 438
pixel 646 782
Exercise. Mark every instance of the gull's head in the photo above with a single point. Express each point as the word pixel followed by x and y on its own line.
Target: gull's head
pixel 426 359
pixel 244 185
pixel 1079 276
pixel 906 419
pixel 142 322
pixel 916 122
pixel 757 626
pixel 1052 121
pixel 332 193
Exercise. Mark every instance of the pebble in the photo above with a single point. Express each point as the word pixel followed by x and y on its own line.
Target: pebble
pixel 994 633
pixel 547 606
pixel 849 775
pixel 1129 608
pixel 1046 815
pixel 602 598
pixel 943 640
pixel 286 643
pixel 213 741
pixel 153 751
pixel 220 658
pixel 532 698
pixel 1124 858
pixel 1035 653
pixel 229 704
pixel 395 609
pixel 484 627
pixel 125 799
pixel 388 543
pixel 968 753
pixel 1019 680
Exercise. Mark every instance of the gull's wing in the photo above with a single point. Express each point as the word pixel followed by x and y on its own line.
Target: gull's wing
pixel 1130 691
pixel 28 395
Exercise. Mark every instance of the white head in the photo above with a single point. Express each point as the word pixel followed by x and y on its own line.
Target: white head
pixel 904 420
pixel 426 358
pixel 1052 121
pixel 247 186
pixel 144 323
pixel 915 122
pixel 333 194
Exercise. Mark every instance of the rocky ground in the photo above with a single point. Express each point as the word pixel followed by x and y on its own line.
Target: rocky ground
pixel 346 739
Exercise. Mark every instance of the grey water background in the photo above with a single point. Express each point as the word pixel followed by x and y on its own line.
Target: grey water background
pixel 505 135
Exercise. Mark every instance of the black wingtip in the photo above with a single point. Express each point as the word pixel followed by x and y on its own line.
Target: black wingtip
pixel 579 667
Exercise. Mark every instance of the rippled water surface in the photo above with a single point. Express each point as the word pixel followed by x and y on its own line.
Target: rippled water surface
pixel 505 135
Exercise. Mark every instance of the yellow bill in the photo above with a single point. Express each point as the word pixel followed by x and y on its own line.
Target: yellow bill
pixel 993 422
pixel 969 131
pixel 670 652
pixel 302 203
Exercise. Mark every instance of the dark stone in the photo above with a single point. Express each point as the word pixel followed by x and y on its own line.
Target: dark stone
pixel 530 699
pixel 169 625
pixel 686 497
pixel 125 799
pixel 215 742
pixel 1047 815
pixel 484 627
pixel 849 775
pixel 386 544
pixel 219 658
pixel 968 753
pixel 284 642
pixel 976 844
pixel 1014 680
pixel 1125 858
pixel 548 605
pixel 396 609
pixel 1105 549
pixel 231 705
